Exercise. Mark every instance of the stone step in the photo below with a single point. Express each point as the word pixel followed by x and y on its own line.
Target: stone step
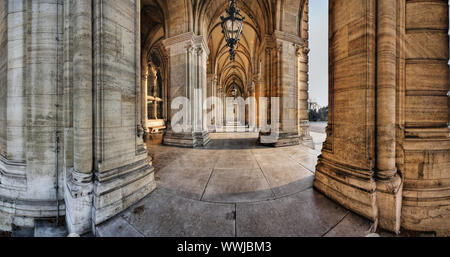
pixel 45 228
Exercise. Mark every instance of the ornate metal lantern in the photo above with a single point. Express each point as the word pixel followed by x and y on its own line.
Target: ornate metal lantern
pixel 232 27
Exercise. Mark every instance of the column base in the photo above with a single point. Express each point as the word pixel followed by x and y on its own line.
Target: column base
pixel 352 188
pixel 18 206
pixel 118 189
pixel 389 203
pixel 191 140
pixel 78 198
pixel 279 140
pixel 356 190
pixel 307 141
pixel 22 213
pixel 305 138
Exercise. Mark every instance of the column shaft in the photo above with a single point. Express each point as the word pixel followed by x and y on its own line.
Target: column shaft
pixel 144 88
pixel 386 88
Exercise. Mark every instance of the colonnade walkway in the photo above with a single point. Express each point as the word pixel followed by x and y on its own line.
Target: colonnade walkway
pixel 235 187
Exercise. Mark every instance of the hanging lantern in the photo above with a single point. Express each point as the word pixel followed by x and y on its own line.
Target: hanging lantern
pixel 232 27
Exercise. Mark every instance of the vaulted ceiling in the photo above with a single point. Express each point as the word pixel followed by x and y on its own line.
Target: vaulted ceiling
pixel 241 69
pixel 166 18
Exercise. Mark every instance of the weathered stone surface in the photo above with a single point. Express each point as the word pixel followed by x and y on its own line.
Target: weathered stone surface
pixel 364 153
pixel 76 76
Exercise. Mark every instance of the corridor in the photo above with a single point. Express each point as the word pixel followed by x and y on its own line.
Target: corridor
pixel 235 187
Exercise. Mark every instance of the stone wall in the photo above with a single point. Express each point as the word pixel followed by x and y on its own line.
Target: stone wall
pixel 123 174
pixel 345 168
pixel 28 184
pixel 386 156
pixel 3 74
pixel 423 114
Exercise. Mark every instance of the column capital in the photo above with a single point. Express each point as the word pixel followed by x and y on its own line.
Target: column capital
pixel 288 37
pixel 180 43
pixel 301 50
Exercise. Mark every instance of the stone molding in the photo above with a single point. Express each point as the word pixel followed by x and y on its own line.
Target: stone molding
pixel 284 36
pixel 13 175
pixel 176 45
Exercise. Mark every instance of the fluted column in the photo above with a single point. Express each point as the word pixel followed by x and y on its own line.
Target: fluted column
pixel 386 88
pixel 187 89
pixel 303 95
pixel 259 92
pixel 78 195
pixel 282 82
pixel 153 84
pixel 144 92
pixel 389 184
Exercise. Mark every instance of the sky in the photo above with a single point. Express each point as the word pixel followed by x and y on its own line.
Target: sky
pixel 318 56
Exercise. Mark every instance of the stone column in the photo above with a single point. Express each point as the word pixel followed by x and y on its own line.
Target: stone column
pixel 144 93
pixel 153 84
pixel 212 93
pixel 123 173
pixel 79 182
pixel 389 184
pixel 282 79
pixel 14 21
pixel 386 86
pixel 303 95
pixel 259 92
pixel 187 72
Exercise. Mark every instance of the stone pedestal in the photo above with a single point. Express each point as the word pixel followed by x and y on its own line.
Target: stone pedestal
pixel 279 140
pixel 193 139
pixel 389 195
pixel 78 196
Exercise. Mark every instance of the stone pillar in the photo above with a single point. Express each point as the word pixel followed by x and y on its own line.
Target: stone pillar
pixel 13 113
pixel 187 71
pixel 144 93
pixel 386 87
pixel 389 184
pixel 303 96
pixel 357 167
pixel 212 93
pixel 30 142
pixel 123 173
pixel 259 92
pixel 79 180
pixel 282 79
pixel 153 84
pixel 424 113
pixel 345 169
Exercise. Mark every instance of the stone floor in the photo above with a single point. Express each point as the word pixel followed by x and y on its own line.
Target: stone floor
pixel 235 187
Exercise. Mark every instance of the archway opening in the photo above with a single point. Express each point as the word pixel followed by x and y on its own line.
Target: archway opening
pixel 154 71
pixel 318 71
pixel 232 82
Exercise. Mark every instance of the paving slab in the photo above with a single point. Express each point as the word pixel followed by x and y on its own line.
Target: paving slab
pixel 285 177
pixel 309 213
pixel 237 185
pixel 261 220
pixel 236 160
pixel 162 214
pixel 352 225
pixel 187 182
pixel 294 187
pixel 117 227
